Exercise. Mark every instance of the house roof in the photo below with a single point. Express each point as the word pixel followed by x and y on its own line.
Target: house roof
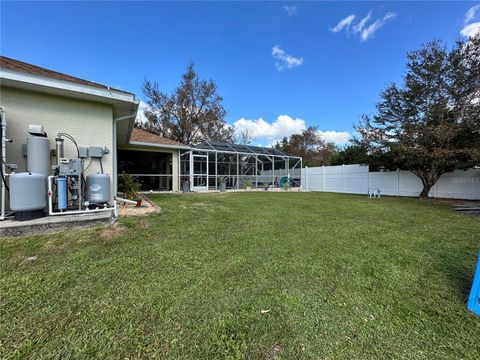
pixel 145 137
pixel 20 66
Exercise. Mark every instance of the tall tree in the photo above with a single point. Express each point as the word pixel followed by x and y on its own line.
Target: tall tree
pixel 357 154
pixel 191 114
pixel 310 146
pixel 244 137
pixel 351 154
pixel 430 124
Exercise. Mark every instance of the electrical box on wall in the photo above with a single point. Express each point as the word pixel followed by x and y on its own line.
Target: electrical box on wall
pixel 95 151
pixel 83 152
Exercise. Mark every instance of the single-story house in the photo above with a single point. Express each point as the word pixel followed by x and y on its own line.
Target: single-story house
pixel 97 115
pixel 94 114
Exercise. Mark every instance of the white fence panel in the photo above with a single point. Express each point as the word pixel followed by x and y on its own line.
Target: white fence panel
pixel 313 177
pixel 387 182
pixel 356 179
pixel 332 179
pixel 459 185
pixel 409 184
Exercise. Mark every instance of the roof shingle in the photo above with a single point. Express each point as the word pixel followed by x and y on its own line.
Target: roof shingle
pixel 143 136
pixel 20 66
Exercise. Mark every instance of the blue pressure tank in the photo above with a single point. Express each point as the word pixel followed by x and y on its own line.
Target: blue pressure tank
pixel 62 192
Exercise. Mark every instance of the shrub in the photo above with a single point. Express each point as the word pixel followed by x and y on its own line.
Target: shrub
pixel 247 183
pixel 129 186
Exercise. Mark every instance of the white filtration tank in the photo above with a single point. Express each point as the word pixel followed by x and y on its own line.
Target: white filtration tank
pixel 38 155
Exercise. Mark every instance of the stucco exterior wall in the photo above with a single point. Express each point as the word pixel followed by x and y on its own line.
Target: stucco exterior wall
pixel 175 160
pixel 90 123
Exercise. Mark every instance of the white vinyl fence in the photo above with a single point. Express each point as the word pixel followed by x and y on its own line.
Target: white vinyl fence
pixel 357 179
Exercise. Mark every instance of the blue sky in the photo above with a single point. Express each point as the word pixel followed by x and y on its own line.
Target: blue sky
pixel 280 66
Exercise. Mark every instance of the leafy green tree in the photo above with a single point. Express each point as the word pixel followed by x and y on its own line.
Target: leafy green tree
pixel 191 114
pixel 430 124
pixel 356 154
pixel 310 146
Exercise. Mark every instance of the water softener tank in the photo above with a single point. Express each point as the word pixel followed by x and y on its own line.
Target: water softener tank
pixel 38 155
pixel 28 192
pixel 98 188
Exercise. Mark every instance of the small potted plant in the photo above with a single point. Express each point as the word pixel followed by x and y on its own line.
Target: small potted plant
pixel 222 183
pixel 185 185
pixel 248 184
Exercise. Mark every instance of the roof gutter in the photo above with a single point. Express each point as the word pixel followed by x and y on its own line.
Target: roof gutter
pixel 141 143
pixel 24 80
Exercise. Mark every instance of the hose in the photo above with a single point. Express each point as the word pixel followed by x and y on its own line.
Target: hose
pixel 283 181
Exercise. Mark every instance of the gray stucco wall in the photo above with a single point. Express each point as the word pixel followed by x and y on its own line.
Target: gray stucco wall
pixel 90 123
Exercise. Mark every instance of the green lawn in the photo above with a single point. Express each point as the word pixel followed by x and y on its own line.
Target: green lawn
pixel 337 277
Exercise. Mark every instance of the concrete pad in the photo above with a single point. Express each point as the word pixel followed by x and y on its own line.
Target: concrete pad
pixel 11 227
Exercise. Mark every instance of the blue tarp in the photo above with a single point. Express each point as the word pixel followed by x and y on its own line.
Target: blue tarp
pixel 474 298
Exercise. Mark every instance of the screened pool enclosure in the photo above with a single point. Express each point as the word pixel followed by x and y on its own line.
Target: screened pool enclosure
pixel 209 164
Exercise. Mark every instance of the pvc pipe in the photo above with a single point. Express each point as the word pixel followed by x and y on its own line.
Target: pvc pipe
pixel 126 200
pixel 86 211
pixel 114 150
pixel 50 194
pixel 4 159
pixel 59 149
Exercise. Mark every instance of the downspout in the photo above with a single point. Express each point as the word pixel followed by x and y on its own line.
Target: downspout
pixel 115 175
pixel 3 124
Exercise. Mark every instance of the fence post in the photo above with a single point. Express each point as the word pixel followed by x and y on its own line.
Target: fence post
pixel 306 177
pixel 323 178
pixel 343 174
pixel 398 182
pixel 368 178
pixel 238 172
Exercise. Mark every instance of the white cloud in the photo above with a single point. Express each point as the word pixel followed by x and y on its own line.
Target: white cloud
pixel 291 10
pixel 335 137
pixel 264 132
pixel 362 28
pixel 140 113
pixel 282 126
pixel 285 60
pixel 372 28
pixel 343 24
pixel 471 13
pixel 470 29
pixel 361 24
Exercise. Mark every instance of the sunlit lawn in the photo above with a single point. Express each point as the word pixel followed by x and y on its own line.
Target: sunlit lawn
pixel 248 275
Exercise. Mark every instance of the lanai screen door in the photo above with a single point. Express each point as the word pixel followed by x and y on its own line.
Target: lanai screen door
pixel 200 172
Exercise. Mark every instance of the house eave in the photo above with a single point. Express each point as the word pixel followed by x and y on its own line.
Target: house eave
pixel 20 80
pixel 140 143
